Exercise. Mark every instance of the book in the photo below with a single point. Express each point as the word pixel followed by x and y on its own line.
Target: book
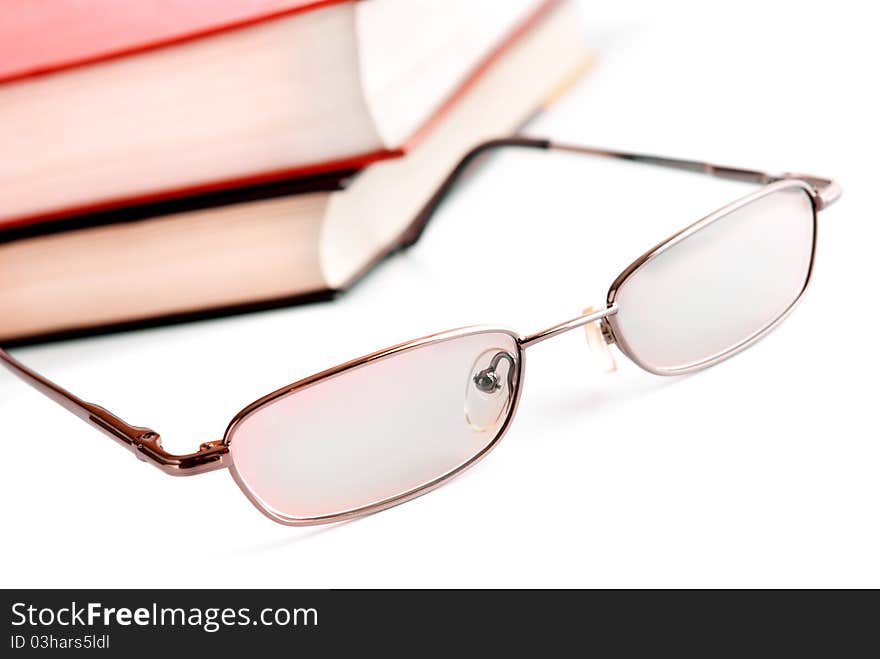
pixel 270 244
pixel 106 103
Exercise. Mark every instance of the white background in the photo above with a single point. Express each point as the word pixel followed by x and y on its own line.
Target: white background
pixel 760 472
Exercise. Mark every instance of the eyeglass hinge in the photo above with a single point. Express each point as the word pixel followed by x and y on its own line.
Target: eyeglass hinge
pixel 147 446
pixel 825 191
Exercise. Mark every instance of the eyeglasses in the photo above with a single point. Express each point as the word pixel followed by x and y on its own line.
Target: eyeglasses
pixel 395 424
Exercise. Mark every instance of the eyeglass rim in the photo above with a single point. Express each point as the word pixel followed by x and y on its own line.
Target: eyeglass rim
pixel 341 369
pixel 612 321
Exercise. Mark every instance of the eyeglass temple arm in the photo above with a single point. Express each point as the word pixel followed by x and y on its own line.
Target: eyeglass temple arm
pixel 145 443
pixel 826 190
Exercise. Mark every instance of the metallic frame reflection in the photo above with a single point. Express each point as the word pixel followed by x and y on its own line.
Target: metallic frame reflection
pixel 347 367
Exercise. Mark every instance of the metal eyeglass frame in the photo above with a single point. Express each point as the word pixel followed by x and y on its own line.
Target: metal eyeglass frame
pixel 146 443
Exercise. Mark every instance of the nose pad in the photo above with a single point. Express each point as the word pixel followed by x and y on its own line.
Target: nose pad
pixel 489 389
pixel 603 358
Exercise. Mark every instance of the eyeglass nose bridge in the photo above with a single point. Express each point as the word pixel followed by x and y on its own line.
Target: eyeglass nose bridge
pixel 585 319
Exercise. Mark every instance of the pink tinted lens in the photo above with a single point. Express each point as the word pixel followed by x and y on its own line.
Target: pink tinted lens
pixel 378 431
pixel 719 287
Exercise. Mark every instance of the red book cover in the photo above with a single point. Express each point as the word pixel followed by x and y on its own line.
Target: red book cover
pixel 41 37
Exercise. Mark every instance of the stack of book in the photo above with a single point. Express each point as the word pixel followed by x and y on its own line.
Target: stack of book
pixel 171 159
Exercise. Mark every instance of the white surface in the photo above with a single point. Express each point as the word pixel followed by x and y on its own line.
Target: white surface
pixel 762 471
